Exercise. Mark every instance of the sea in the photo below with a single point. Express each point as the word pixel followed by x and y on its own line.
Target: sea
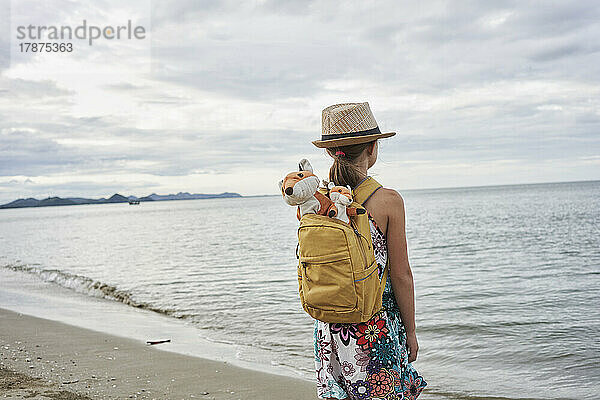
pixel 507 281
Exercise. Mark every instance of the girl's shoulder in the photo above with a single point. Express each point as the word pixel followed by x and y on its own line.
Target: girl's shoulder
pixel 385 198
pixel 378 207
pixel 390 192
pixel 385 205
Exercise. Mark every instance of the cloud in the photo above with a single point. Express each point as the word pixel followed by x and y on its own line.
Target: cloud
pixel 22 89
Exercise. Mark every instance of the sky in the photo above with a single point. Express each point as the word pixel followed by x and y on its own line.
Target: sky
pixel 227 96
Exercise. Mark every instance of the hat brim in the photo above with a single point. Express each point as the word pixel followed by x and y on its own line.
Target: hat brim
pixel 351 140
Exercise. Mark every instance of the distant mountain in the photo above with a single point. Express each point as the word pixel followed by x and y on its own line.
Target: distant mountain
pixel 55 201
pixel 115 198
pixel 30 202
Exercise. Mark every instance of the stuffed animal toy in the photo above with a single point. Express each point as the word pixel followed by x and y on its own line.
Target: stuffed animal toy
pixel 342 198
pixel 301 188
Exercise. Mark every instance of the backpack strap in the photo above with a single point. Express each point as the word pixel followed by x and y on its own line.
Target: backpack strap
pixel 361 193
pixel 365 189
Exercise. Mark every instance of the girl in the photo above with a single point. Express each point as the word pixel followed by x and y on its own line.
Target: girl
pixel 369 360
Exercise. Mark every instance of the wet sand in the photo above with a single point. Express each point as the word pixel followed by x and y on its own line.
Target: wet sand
pixel 43 359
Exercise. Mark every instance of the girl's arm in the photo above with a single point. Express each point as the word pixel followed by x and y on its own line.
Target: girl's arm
pixel 400 272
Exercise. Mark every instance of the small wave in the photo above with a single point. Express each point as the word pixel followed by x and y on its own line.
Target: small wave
pixel 84 285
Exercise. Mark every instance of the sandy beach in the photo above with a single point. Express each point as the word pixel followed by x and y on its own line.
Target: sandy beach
pixel 43 359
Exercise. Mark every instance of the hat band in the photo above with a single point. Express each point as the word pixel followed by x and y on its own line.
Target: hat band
pixel 351 134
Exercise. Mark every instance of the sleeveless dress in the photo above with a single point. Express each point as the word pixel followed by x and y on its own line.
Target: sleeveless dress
pixel 367 360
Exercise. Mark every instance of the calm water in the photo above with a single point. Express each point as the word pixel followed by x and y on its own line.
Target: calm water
pixel 507 277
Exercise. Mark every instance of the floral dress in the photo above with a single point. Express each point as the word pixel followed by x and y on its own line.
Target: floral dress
pixel 367 360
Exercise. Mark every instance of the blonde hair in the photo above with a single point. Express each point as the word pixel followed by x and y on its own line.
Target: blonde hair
pixel 344 170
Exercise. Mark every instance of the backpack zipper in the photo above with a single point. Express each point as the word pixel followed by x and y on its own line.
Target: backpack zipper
pixel 305 265
pixel 362 249
pixel 305 274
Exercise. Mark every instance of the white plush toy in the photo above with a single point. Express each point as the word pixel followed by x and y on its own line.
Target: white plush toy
pixel 301 188
pixel 341 196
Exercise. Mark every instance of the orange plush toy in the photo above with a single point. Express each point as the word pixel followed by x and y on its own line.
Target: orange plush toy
pixel 342 198
pixel 301 188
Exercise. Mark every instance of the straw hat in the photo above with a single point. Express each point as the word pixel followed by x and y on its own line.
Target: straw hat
pixel 349 123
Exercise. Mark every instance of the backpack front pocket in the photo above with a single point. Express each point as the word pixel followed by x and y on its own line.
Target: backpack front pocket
pixel 322 287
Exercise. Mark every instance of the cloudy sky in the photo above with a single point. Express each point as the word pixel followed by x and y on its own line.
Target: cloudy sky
pixel 226 96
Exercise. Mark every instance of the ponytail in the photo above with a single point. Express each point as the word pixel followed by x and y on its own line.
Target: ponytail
pixel 344 170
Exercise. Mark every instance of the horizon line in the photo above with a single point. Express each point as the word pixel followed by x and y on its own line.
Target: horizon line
pixel 505 184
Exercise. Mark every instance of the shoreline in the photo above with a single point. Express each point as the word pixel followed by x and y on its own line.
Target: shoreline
pixel 40 358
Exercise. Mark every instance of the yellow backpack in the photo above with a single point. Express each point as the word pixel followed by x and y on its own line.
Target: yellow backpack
pixel 338 279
